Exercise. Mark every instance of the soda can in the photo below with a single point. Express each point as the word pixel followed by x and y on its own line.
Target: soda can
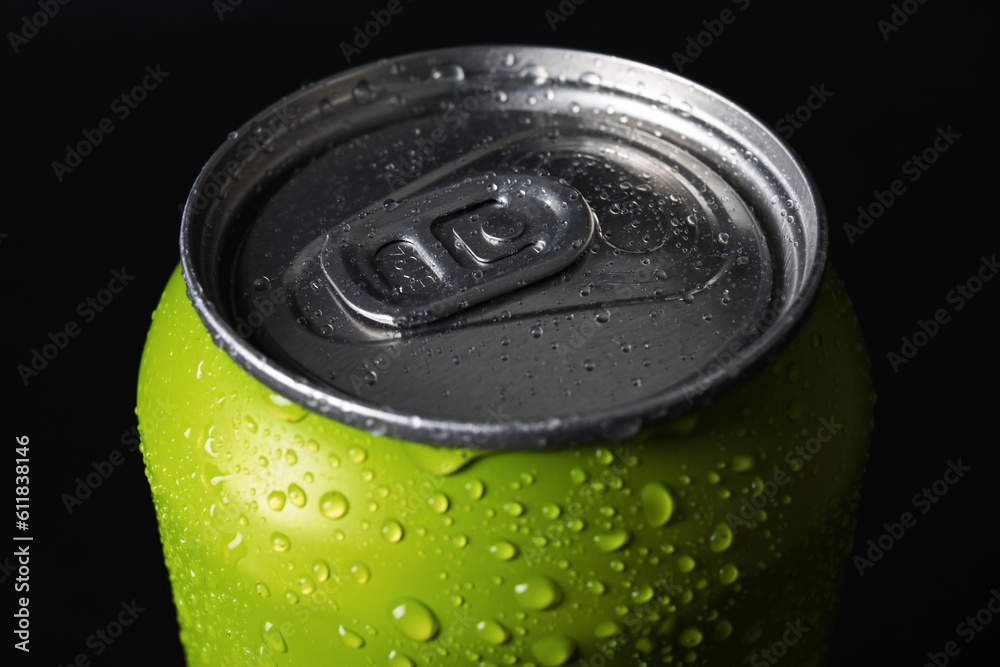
pixel 504 356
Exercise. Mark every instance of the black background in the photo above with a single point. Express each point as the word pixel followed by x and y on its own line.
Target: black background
pixel 119 208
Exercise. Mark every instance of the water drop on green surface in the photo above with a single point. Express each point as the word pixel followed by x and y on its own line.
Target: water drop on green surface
pixel 414 619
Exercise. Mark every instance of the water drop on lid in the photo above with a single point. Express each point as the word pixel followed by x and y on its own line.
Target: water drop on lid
pixel 363 92
pixel 390 204
pixel 590 79
pixel 448 73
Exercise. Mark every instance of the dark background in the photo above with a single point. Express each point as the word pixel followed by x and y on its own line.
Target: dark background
pixel 119 208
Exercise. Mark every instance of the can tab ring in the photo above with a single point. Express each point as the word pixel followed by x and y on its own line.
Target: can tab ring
pixel 429 256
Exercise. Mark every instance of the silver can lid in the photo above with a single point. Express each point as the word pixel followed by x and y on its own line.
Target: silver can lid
pixel 503 247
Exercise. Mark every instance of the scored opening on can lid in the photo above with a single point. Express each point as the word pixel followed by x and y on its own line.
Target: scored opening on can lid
pixel 503 247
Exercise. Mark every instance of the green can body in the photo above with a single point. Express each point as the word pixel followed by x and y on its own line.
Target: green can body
pixel 294 540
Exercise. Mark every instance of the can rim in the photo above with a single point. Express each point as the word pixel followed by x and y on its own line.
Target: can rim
pixel 498 432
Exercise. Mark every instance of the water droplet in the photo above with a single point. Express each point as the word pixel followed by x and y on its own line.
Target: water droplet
pixel 392 530
pixel 276 500
pixel 590 79
pixel 686 564
pixel 261 284
pixel 274 639
pixel 514 508
pixel 492 632
pixel 296 495
pixel 742 463
pixel 503 550
pixel 607 629
pixel 578 475
pixel 643 593
pixel 390 204
pixel 333 504
pixel 263 590
pixel 603 316
pixel 553 650
pixel 397 659
pixel 596 587
pixel 280 542
pixel 721 538
pixel 363 92
pixel 690 637
pixel 536 331
pixel 414 619
pixel 448 73
pixel 551 511
pixel 612 541
pixel 723 238
pixel 350 638
pixel 357 454
pixel 728 573
pixel 361 573
pixel 321 570
pixel 538 592
pixel 475 489
pixel 439 502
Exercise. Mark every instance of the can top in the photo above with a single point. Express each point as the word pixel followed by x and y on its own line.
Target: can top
pixel 502 247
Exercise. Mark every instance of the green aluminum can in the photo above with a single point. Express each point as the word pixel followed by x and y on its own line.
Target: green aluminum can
pixel 505 356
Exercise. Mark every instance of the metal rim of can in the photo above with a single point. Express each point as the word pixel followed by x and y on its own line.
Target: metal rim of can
pixel 800 257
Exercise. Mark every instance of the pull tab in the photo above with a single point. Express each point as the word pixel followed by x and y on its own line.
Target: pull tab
pixel 439 252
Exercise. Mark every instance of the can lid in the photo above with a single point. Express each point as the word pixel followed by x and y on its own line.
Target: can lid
pixel 503 247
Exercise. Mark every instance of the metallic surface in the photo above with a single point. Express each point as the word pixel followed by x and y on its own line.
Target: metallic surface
pixel 709 247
